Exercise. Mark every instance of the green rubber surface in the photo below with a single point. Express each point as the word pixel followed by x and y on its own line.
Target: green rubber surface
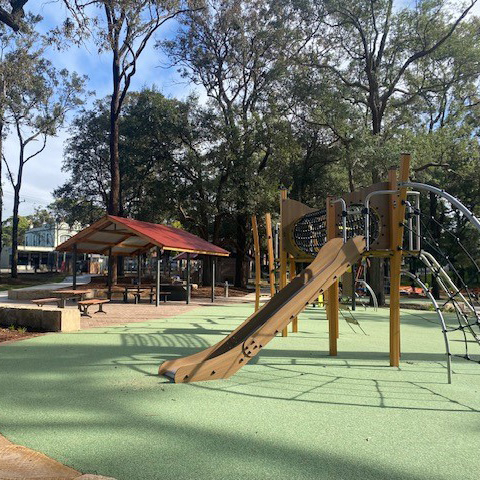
pixel 92 400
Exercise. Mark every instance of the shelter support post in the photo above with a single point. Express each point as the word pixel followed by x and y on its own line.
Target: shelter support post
pixel 74 282
pixel 271 257
pixel 139 271
pixel 109 273
pixel 397 215
pixel 157 279
pixel 332 292
pixel 256 247
pixel 283 252
pixel 188 278
pixel 214 261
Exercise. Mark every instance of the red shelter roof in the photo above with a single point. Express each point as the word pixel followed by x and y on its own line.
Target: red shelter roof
pixel 125 236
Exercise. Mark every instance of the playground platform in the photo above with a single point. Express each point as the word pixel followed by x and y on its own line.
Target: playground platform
pixel 93 401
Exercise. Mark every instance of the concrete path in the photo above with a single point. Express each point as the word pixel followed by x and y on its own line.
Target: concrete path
pixel 17 462
pixel 67 282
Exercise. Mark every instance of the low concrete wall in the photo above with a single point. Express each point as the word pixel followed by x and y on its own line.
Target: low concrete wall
pixel 23 294
pixel 49 319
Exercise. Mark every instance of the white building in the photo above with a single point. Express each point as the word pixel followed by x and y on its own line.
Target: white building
pixel 38 249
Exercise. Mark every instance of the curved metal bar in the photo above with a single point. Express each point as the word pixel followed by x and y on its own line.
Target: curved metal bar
pixel 344 216
pixel 450 198
pixel 440 316
pixel 367 211
pixel 447 284
pixel 372 293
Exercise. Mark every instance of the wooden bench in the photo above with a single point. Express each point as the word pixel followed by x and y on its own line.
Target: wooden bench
pixel 84 305
pixel 42 301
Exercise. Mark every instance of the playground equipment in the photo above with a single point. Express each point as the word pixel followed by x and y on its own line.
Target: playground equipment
pixel 377 221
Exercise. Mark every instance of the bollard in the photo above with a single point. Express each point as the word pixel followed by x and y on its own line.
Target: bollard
pixel 226 288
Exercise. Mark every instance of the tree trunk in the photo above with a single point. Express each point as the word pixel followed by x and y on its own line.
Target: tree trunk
pixel 114 200
pixel 376 280
pixel 241 241
pixel 16 203
pixel 1 185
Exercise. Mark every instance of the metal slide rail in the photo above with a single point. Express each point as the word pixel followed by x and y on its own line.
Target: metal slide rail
pixel 440 317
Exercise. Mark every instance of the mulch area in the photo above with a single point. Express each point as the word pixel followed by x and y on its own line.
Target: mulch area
pixel 7 335
pixel 205 292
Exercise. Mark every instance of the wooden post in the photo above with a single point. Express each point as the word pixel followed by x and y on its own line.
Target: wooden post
pixel 282 252
pixel 188 278
pixel 74 260
pixel 332 292
pixel 256 247
pixel 157 285
pixel 397 216
pixel 271 257
pixel 292 276
pixel 214 261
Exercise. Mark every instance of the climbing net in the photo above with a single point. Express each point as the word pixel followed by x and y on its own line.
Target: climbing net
pixel 310 231
pixel 460 298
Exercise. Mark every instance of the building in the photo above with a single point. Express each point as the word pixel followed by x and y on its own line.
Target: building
pixel 37 251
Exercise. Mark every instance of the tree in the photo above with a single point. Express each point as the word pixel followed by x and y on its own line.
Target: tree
pixel 13 17
pixel 236 51
pixel 37 100
pixel 372 49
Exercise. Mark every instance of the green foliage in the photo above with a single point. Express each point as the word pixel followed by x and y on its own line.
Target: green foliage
pixel 320 97
pixel 7 226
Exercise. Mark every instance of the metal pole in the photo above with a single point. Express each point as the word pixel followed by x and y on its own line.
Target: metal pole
pixel 139 271
pixel 440 316
pixel 157 286
pixel 188 278
pixel 344 217
pixel 74 267
pixel 109 274
pixel 214 260
pixel 450 198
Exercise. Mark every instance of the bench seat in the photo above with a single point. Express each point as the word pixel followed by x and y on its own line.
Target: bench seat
pixel 42 301
pixel 84 305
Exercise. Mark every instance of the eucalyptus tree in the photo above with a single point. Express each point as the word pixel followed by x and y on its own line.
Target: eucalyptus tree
pixel 375 50
pixel 123 28
pixel 12 14
pixel 237 52
pixel 37 99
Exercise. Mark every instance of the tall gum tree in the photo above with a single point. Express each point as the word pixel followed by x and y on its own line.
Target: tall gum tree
pixel 371 47
pixel 236 51
pixel 37 99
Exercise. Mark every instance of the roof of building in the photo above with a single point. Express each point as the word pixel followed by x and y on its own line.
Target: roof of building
pixel 125 236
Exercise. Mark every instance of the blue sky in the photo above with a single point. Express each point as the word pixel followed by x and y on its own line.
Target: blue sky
pixel 43 174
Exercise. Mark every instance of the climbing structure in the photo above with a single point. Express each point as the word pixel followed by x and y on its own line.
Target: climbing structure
pixel 383 220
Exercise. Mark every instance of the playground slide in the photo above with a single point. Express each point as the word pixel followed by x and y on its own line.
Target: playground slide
pixel 234 351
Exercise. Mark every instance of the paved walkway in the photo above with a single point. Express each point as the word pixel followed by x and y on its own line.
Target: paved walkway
pixel 17 462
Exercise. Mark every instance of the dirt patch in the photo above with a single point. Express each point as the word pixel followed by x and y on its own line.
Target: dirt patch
pixel 205 292
pixel 7 335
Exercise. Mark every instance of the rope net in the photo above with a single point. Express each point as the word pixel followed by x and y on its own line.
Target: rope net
pixel 460 300
pixel 310 231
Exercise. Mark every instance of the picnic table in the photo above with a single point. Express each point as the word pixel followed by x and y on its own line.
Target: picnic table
pixel 65 295
pixel 137 290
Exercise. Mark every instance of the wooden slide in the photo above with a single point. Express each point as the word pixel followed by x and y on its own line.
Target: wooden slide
pixel 234 351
